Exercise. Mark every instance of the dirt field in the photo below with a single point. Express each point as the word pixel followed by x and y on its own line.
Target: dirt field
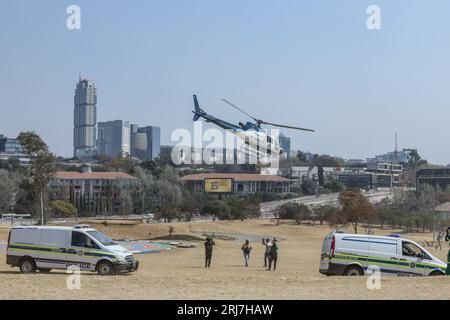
pixel 179 273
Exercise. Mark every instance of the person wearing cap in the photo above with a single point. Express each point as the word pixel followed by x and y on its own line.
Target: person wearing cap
pixel 267 244
pixel 273 255
pixel 209 243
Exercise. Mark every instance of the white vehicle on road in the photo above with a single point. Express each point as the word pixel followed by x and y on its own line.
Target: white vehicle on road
pixel 45 248
pixel 352 254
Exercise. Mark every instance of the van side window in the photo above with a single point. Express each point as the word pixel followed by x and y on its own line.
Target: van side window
pixel 81 240
pixel 411 250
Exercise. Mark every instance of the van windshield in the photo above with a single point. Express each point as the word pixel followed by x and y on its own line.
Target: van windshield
pixel 100 237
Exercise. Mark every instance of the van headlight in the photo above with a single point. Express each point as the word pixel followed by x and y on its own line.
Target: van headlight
pixel 121 259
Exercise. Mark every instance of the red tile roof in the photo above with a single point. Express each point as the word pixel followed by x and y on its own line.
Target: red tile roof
pixel 92 175
pixel 235 176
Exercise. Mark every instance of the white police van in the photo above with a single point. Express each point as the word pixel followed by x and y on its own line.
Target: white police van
pixel 352 254
pixel 44 248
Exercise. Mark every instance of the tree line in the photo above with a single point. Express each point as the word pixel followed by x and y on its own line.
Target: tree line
pixel 407 210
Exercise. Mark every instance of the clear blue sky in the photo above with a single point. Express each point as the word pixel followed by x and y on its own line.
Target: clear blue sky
pixel 307 63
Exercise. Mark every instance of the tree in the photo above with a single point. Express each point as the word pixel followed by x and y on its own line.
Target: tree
pixel 414 162
pixel 301 156
pixel 334 186
pixel 41 168
pixel 218 208
pixel 326 161
pixel 292 210
pixel 308 186
pixel 324 213
pixel 9 190
pixel 288 210
pixel 63 207
pixel 384 212
pixel 303 213
pixel 243 207
pixel 356 208
pixel 125 191
pixel 123 164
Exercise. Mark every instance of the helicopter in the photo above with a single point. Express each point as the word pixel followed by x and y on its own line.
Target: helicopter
pixel 252 134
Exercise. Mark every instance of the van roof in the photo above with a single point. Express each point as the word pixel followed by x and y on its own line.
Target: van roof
pixel 365 235
pixel 52 228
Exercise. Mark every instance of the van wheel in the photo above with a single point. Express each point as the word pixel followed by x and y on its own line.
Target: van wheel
pixel 27 265
pixel 44 270
pixel 436 273
pixel 354 271
pixel 105 268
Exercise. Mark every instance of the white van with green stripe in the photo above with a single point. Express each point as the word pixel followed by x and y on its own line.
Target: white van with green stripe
pixel 44 248
pixel 352 254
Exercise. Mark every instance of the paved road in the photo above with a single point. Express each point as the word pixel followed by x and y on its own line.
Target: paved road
pixel 268 208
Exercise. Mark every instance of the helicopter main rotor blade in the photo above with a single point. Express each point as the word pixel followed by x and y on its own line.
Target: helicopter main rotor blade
pixel 259 122
pixel 284 126
pixel 236 107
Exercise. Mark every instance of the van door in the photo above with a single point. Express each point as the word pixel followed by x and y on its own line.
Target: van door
pixel 411 260
pixel 24 241
pixel 80 245
pixel 52 249
pixel 383 253
pixel 326 253
pixel 353 249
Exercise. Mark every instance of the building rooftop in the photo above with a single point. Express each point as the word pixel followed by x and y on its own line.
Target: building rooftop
pixel 92 175
pixel 235 176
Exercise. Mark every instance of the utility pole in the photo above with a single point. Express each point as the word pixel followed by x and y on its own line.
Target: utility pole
pixel 42 207
pixel 13 201
pixel 434 225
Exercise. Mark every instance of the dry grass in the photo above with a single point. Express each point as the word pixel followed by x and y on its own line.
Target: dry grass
pixel 179 274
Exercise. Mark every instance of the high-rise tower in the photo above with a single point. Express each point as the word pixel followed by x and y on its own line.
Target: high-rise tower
pixel 84 119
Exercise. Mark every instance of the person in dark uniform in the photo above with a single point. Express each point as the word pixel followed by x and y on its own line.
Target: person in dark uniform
pixel 447 238
pixel 209 243
pixel 273 255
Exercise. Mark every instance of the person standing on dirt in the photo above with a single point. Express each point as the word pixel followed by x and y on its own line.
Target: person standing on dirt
pixel 209 243
pixel 447 238
pixel 246 248
pixel 273 255
pixel 267 244
pixel 439 239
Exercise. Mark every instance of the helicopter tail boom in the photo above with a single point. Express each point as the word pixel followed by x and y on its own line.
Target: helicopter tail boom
pixel 198 111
